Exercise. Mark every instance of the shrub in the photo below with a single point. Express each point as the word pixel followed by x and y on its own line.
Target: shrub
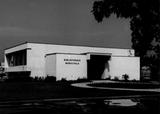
pixel 82 80
pixel 50 79
pixel 116 78
pixel 63 80
pixel 125 77
pixel 19 79
pixel 37 79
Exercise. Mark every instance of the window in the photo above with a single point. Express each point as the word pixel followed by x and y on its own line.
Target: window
pixel 17 58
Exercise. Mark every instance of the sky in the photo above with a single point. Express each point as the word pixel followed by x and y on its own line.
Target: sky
pixel 59 22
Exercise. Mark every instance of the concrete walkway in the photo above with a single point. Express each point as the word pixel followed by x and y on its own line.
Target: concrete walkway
pixel 86 85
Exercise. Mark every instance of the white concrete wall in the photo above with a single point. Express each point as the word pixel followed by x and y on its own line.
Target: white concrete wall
pixel 125 65
pixel 36 60
pixel 36 56
pixel 51 65
pixel 71 67
pixel 17 69
pixel 82 49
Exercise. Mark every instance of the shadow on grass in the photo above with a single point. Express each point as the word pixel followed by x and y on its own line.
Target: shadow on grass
pixel 43 90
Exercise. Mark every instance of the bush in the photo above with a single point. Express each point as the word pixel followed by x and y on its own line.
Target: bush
pixel 19 79
pixel 63 80
pixel 82 80
pixel 116 78
pixel 37 79
pixel 50 79
pixel 125 77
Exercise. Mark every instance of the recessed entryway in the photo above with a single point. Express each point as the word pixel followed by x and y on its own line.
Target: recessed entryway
pixel 96 66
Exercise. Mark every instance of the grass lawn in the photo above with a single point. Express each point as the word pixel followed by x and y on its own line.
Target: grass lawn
pixel 42 90
pixel 131 85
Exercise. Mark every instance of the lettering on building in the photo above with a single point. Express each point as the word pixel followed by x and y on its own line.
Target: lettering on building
pixel 72 61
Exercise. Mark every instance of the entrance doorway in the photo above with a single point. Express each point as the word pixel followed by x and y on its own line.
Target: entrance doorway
pixel 96 66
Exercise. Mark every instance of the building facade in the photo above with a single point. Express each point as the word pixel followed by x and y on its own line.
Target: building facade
pixel 71 62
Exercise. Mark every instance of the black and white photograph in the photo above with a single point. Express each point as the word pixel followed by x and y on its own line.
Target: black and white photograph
pixel 79 56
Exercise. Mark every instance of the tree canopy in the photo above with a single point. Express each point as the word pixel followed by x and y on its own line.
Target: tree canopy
pixel 144 18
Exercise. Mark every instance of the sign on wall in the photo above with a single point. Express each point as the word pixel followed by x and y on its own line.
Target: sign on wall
pixel 72 61
pixel 71 67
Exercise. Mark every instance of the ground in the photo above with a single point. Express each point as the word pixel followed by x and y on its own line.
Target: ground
pixel 42 97
pixel 42 90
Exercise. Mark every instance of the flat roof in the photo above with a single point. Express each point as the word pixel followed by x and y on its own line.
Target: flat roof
pixel 16 45
pixel 63 45
pixel 64 53
pixel 96 53
pixel 92 53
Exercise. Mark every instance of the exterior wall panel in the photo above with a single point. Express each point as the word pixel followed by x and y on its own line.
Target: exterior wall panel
pixel 71 67
pixel 17 69
pixel 36 60
pixel 81 49
pixel 125 65
pixel 51 65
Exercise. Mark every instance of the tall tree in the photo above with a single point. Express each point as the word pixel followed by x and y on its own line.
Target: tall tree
pixel 144 18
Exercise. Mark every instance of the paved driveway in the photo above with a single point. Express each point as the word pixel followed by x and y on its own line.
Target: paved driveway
pixel 86 85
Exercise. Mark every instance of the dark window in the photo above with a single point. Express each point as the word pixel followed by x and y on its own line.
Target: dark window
pixel 17 58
